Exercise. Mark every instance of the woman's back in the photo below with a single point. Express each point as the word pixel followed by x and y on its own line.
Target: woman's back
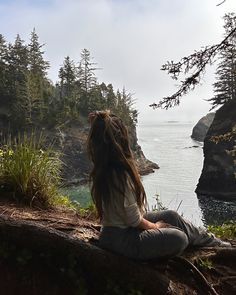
pixel 122 210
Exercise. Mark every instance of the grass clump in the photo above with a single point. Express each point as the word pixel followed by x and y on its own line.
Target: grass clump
pixel 30 172
pixel 226 230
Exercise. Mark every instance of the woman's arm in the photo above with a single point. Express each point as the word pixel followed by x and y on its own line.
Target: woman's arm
pixel 133 215
pixel 145 224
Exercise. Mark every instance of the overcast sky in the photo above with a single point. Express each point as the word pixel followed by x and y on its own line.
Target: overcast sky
pixel 129 39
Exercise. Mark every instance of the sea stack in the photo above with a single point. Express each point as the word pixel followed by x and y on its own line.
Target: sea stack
pixel 200 129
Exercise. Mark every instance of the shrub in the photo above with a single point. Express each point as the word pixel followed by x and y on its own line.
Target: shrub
pixel 226 230
pixel 64 201
pixel 30 171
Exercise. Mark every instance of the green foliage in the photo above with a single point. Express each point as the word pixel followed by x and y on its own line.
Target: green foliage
pixel 87 78
pixel 24 79
pixel 204 263
pixel 16 77
pixel 68 90
pixel 30 171
pixel 226 230
pixel 64 201
pixel 3 68
pixel 225 85
pixel 32 99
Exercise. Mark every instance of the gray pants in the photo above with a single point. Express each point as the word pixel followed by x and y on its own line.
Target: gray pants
pixel 163 242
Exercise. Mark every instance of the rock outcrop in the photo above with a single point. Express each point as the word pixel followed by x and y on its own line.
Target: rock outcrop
pixel 200 129
pixel 218 174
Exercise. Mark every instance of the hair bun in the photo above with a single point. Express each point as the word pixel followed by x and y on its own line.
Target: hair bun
pixel 99 114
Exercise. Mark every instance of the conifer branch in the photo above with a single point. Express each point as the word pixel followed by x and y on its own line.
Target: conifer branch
pixel 196 63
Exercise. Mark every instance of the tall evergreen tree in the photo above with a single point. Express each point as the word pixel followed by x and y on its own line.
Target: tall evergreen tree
pixel 3 66
pixel 16 82
pixel 37 64
pixel 225 85
pixel 124 108
pixel 86 73
pixel 69 94
pixel 37 80
pixel 97 98
pixel 67 76
pixel 111 98
pixel 86 81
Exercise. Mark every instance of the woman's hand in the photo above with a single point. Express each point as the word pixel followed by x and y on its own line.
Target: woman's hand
pixel 145 224
pixel 162 224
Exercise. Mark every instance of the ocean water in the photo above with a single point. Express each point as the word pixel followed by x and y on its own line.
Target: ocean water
pixel 180 159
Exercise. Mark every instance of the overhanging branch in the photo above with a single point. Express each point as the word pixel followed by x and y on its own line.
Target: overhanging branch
pixel 196 63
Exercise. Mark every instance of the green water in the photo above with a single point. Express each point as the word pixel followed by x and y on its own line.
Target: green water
pixel 80 194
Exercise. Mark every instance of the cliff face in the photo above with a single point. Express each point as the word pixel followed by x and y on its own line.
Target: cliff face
pixel 200 129
pixel 217 178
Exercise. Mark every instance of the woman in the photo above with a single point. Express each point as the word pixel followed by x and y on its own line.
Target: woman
pixel 120 200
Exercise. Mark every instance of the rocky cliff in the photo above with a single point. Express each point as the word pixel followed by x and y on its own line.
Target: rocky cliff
pixel 200 129
pixel 217 178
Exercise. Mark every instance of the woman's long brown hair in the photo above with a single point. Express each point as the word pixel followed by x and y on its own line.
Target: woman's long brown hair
pixel 113 164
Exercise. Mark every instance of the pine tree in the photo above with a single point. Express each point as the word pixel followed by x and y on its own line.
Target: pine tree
pixel 111 98
pixel 108 96
pixel 225 86
pixel 97 98
pixel 124 108
pixel 37 64
pixel 86 81
pixel 3 68
pixel 67 76
pixel 16 78
pixel 69 95
pixel 87 77
pixel 37 80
